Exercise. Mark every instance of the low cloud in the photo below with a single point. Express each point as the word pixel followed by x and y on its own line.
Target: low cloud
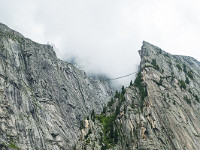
pixel 105 36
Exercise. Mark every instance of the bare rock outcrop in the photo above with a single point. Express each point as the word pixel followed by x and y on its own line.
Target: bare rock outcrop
pixel 42 99
pixel 159 111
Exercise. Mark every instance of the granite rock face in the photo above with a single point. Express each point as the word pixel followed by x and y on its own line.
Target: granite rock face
pixel 159 111
pixel 42 99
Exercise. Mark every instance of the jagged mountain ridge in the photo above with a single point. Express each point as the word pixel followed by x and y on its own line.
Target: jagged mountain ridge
pixel 42 99
pixel 159 111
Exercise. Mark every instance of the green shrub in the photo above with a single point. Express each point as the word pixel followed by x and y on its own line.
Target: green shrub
pixel 122 98
pixel 138 79
pixel 104 110
pixel 123 90
pixel 155 64
pixel 174 103
pixel 147 61
pixel 182 84
pixel 187 81
pixel 184 68
pixel 89 132
pixel 110 134
pixel 157 67
pixel 131 83
pixel 103 147
pixel 190 75
pixel 142 89
pixel 170 63
pixel 172 77
pixel 82 126
pixel 13 146
pixel 196 98
pixel 160 51
pixel 179 67
pixel 166 55
pixel 117 94
pixel 117 110
pixel 162 70
pixel 147 66
pixel 187 99
pixel 110 103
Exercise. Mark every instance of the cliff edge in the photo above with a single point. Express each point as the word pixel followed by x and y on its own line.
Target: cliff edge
pixel 42 99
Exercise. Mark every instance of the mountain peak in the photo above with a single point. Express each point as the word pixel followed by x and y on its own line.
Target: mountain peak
pixel 4 29
pixel 42 99
pixel 158 111
pixel 46 103
pixel 149 49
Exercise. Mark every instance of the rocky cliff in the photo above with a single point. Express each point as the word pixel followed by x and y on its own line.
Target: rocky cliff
pixel 160 110
pixel 42 99
pixel 49 104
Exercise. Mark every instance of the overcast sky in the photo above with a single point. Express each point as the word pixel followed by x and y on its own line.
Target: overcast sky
pixel 105 35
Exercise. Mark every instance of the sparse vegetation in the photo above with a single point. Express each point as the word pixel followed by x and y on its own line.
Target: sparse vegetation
pixel 131 83
pixel 160 51
pixel 166 55
pixel 159 83
pixel 74 147
pixel 110 133
pixel 170 64
pixel 142 89
pixel 187 81
pixel 138 80
pixel 174 103
pixel 147 66
pixel 123 90
pixel 162 70
pixel 146 61
pixel 13 146
pixel 93 115
pixel 187 99
pixel 82 126
pixel 104 110
pixel 155 64
pixel 103 147
pixel 110 103
pixel 172 77
pixel 184 68
pixel 116 94
pixel 132 105
pixel 190 75
pixel 179 67
pixel 182 84
pixel 89 132
pixel 196 97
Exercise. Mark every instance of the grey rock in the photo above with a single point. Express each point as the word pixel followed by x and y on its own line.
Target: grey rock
pixel 42 99
pixel 166 118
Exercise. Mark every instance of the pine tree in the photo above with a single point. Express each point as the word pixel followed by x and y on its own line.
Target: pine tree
pixel 123 90
pixel 131 83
